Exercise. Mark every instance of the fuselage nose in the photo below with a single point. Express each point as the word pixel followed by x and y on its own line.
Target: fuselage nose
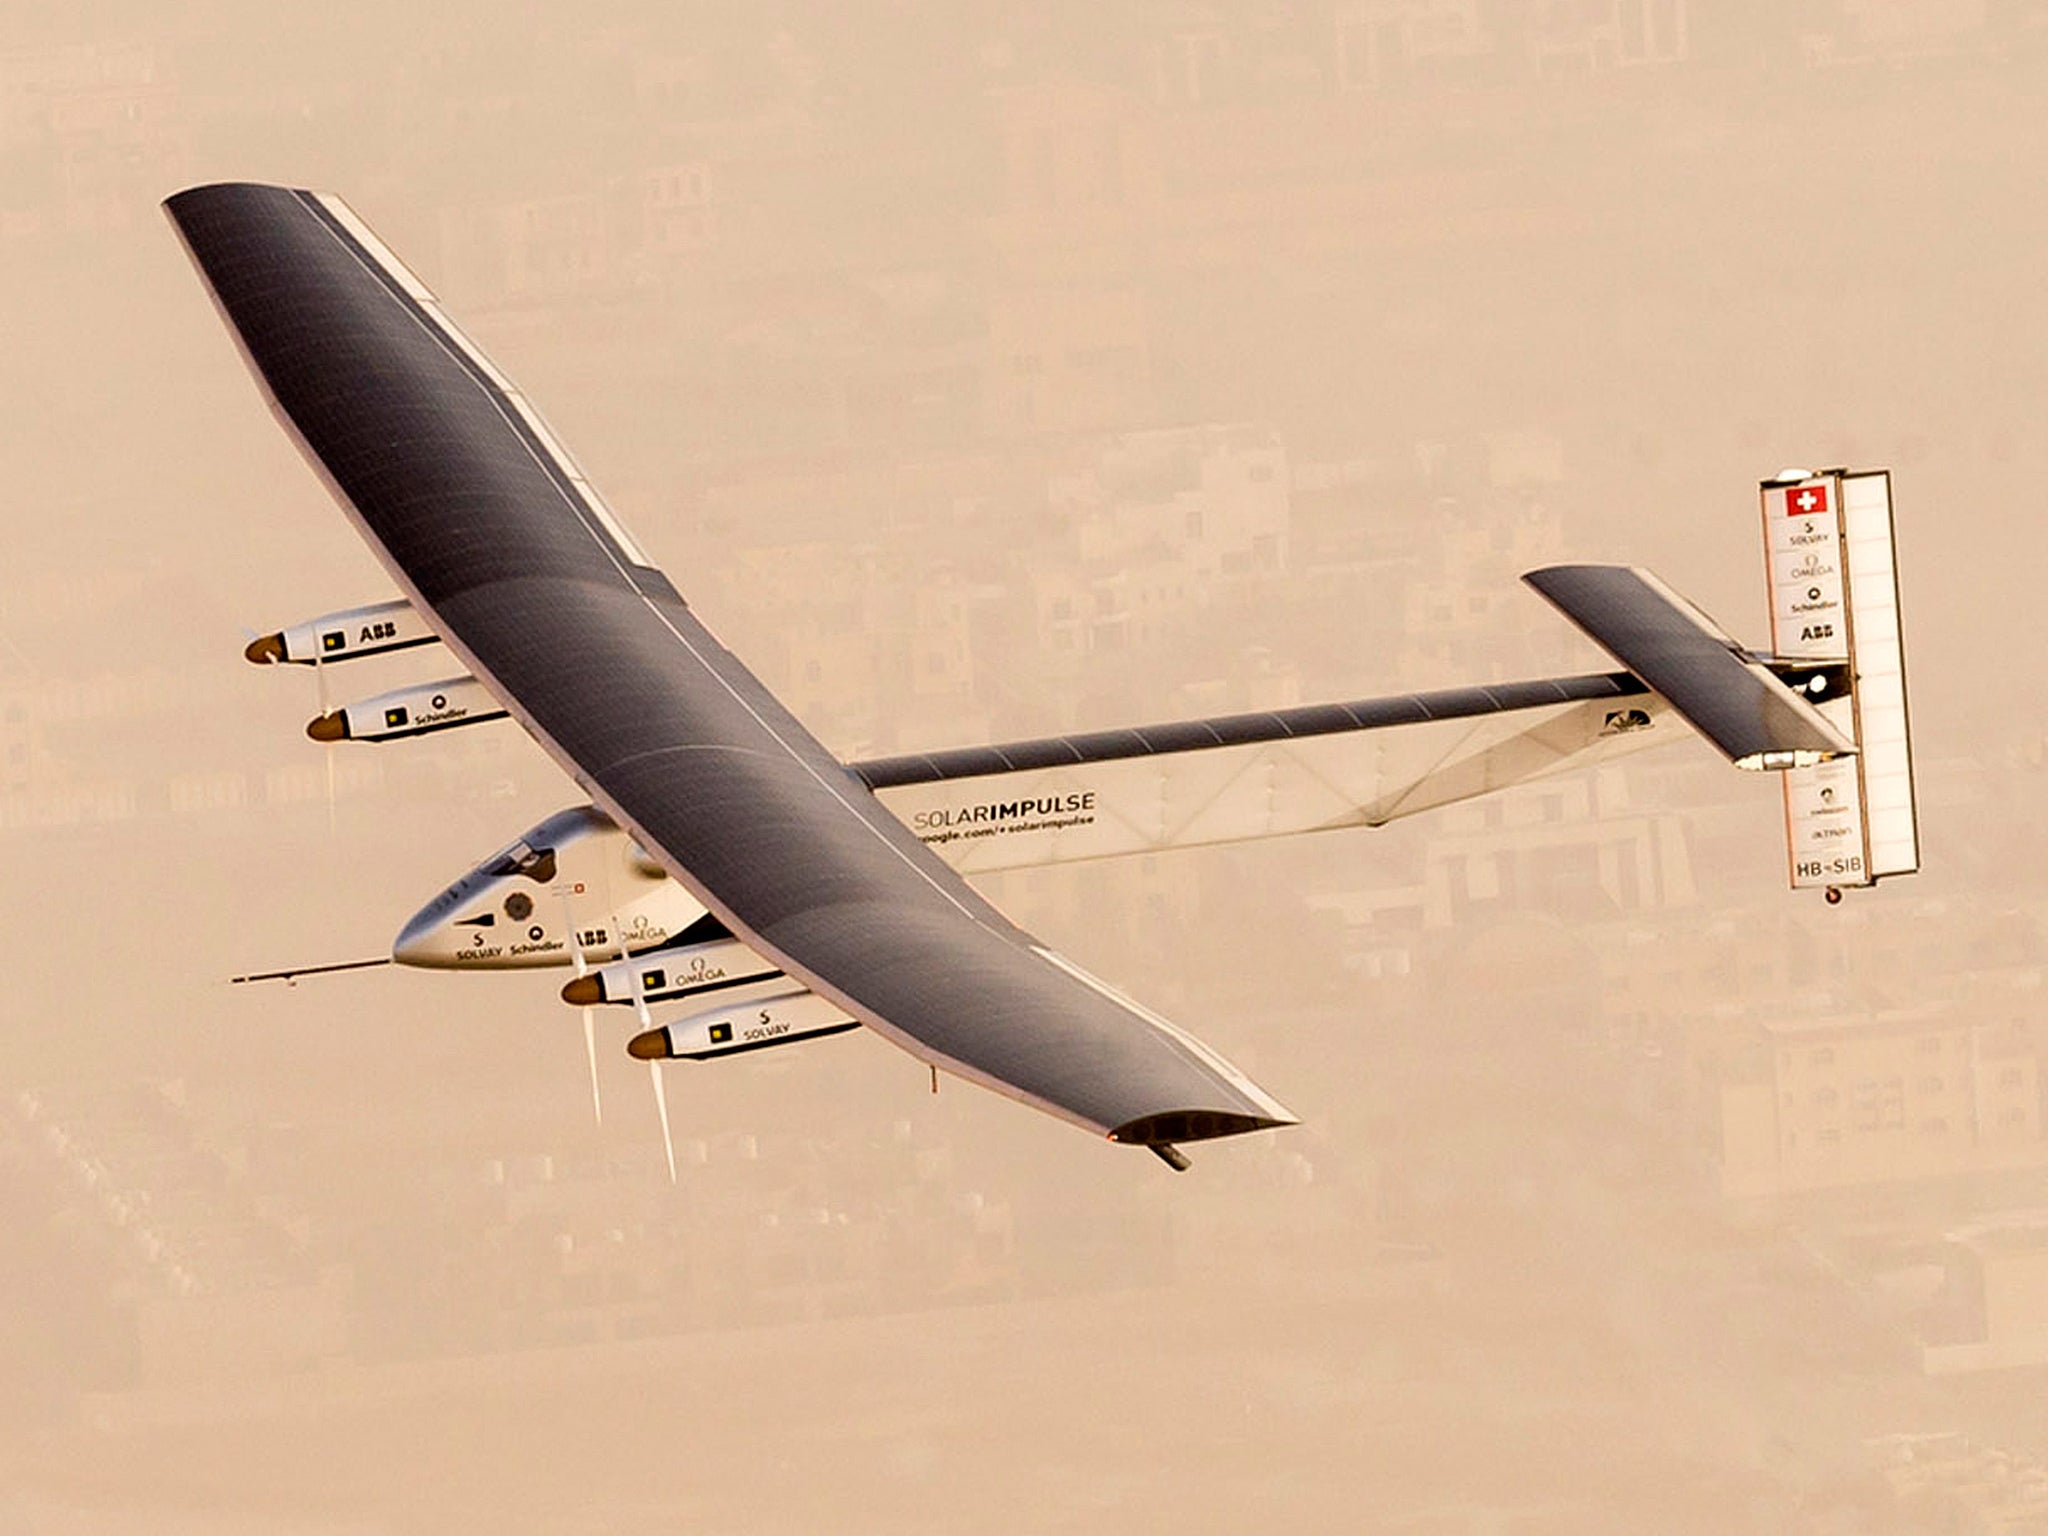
pixel 430 936
pixel 571 883
pixel 488 922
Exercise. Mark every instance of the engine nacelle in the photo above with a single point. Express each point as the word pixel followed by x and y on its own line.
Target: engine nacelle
pixel 667 974
pixel 750 1025
pixel 415 711
pixel 368 631
pixel 572 879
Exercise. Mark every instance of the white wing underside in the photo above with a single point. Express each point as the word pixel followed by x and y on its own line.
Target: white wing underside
pixel 1229 794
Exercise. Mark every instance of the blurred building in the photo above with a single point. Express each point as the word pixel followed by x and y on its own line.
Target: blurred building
pixel 1578 37
pixel 1993 1311
pixel 1842 1098
pixel 209 1281
pixel 1895 28
pixel 1945 1481
pixel 92 135
pixel 535 248
pixel 764 1226
pixel 1386 44
pixel 1575 846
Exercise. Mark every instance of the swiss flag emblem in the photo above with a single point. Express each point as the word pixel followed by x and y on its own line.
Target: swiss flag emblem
pixel 1806 501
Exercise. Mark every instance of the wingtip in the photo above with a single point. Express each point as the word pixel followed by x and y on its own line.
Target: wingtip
pixel 203 188
pixel 1196 1125
pixel 187 200
pixel 182 199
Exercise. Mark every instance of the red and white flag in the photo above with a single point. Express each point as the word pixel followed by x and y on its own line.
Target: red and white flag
pixel 1807 501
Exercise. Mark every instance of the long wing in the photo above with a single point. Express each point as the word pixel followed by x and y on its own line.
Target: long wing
pixel 489 527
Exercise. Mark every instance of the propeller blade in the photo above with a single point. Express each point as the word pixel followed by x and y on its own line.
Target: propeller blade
pixel 575 937
pixel 327 750
pixel 576 959
pixel 668 1141
pixel 633 978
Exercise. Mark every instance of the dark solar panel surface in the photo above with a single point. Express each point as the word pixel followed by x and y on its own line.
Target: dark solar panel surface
pixel 1727 695
pixel 660 722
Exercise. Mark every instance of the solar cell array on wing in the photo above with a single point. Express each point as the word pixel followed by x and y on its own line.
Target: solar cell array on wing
pixel 1728 695
pixel 490 528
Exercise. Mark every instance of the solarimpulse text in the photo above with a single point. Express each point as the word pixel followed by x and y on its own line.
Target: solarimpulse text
pixel 1039 813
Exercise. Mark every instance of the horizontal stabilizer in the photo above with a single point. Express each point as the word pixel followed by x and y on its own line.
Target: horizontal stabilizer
pixel 1726 694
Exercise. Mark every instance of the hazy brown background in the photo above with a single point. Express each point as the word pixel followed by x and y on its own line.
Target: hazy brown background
pixel 1615 1210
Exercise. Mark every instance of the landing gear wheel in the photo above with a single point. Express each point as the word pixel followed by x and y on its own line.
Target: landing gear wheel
pixel 1834 895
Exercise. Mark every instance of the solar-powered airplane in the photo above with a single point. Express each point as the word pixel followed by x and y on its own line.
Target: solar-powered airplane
pixel 729 863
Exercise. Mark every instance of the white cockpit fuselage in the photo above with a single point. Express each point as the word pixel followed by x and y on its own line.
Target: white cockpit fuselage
pixel 574 879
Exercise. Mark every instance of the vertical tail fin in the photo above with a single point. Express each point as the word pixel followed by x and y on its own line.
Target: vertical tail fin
pixel 1829 554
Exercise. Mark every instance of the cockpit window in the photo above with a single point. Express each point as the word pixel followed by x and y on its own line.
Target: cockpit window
pixel 522 858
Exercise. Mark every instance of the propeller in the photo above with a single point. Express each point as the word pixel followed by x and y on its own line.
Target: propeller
pixel 590 1055
pixel 668 1141
pixel 589 1012
pixel 268 650
pixel 326 748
